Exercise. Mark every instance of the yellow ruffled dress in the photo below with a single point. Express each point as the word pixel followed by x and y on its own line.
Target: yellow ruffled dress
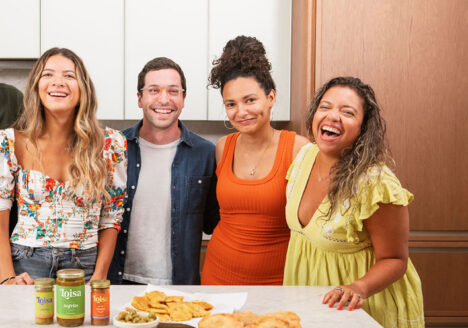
pixel 339 251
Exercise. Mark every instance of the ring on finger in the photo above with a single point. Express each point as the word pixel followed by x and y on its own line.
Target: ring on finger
pixel 359 296
pixel 340 289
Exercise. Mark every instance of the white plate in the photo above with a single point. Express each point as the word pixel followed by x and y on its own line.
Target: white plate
pixel 122 324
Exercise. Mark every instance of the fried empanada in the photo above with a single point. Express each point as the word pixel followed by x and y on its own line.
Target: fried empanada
pixel 270 322
pixel 246 317
pixel 220 320
pixel 292 318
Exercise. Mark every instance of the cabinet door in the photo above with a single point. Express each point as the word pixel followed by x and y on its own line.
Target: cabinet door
pixel 267 20
pixel 19 28
pixel 94 31
pixel 176 29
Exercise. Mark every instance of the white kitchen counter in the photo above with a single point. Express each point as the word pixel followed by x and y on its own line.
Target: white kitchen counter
pixel 17 304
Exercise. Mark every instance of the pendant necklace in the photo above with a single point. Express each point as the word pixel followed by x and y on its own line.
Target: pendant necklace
pixel 254 169
pixel 319 178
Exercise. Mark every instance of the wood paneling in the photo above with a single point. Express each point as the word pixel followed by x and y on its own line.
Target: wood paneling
pixel 414 53
pixel 302 62
pixel 444 279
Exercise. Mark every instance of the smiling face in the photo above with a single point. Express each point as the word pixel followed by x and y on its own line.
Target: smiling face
pixel 247 106
pixel 58 85
pixel 161 111
pixel 337 121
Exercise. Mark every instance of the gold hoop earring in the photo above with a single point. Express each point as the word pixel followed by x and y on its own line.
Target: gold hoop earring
pixel 225 125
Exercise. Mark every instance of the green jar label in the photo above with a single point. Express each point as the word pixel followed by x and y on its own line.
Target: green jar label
pixel 44 304
pixel 70 302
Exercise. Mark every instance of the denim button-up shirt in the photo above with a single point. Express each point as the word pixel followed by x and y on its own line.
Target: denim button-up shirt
pixel 194 207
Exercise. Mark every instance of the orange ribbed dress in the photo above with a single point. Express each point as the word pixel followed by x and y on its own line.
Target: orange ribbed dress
pixel 249 244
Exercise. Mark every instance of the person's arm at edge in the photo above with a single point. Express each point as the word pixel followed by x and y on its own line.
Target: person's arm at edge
pixel 106 245
pixel 212 217
pixel 388 228
pixel 6 262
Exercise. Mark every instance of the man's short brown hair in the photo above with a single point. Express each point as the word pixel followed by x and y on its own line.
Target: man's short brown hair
pixel 157 64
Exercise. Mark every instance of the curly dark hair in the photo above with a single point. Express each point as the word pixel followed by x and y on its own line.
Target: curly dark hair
pixel 243 56
pixel 369 149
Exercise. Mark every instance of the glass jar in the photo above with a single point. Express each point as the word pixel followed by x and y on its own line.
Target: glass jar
pixel 44 300
pixel 100 300
pixel 70 296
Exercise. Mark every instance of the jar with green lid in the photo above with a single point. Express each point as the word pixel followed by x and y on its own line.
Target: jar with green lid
pixel 70 296
pixel 44 301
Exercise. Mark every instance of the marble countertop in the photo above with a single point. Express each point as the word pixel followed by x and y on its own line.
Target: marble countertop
pixel 17 304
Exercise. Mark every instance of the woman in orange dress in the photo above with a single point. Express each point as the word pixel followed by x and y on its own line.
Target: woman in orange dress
pixel 249 245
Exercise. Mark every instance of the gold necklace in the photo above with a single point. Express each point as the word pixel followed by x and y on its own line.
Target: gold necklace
pixel 254 169
pixel 320 179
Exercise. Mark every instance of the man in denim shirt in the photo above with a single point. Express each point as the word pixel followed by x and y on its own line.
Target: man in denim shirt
pixel 171 187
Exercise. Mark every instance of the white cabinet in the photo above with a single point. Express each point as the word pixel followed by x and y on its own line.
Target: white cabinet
pixel 19 29
pixel 177 29
pixel 267 20
pixel 116 38
pixel 94 30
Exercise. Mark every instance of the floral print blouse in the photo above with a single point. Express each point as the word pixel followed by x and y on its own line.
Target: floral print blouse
pixel 50 214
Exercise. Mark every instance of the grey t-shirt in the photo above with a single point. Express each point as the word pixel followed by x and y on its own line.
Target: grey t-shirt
pixel 148 258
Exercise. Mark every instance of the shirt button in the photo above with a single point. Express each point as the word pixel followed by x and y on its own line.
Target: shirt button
pixel 125 231
pixel 199 181
pixel 122 252
pixel 138 165
pixel 120 273
pixel 173 186
pixel 128 209
pixel 133 187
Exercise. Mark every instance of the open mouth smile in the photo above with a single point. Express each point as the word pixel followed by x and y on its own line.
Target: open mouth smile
pixel 329 133
pixel 58 94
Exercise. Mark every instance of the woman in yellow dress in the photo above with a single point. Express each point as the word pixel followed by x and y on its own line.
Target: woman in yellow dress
pixel 347 211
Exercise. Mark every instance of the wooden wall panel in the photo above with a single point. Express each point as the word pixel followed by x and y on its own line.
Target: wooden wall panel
pixel 444 289
pixel 302 62
pixel 414 54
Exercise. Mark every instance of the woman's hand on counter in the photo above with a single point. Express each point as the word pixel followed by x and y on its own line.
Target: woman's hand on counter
pixel 21 279
pixel 351 296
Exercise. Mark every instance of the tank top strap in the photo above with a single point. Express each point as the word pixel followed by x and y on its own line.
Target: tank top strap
pixel 228 152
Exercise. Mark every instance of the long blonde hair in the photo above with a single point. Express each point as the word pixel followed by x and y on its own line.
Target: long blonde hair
pixel 88 168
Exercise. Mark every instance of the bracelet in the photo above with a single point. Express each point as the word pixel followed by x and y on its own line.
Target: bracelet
pixel 7 279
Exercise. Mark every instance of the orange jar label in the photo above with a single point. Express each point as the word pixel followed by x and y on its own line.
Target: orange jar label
pixel 100 304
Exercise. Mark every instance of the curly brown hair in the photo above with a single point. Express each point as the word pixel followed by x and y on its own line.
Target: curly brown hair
pixel 368 150
pixel 243 56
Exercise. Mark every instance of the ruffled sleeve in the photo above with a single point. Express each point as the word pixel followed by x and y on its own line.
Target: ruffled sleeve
pixel 115 155
pixel 8 166
pixel 380 186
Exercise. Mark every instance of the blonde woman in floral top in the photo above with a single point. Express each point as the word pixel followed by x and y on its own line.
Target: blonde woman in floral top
pixel 66 173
